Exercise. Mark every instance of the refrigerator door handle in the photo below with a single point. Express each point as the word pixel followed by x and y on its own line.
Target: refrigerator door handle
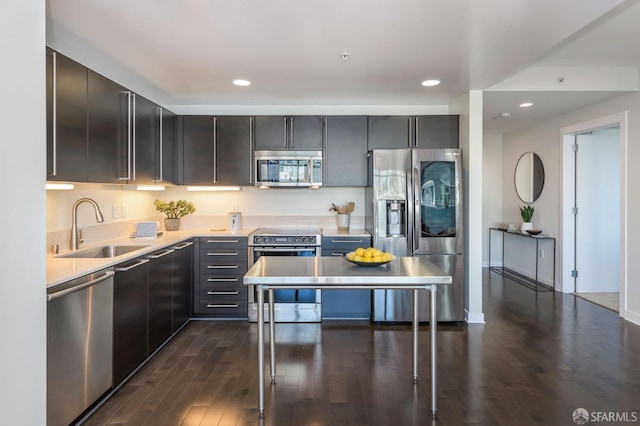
pixel 408 220
pixel 417 210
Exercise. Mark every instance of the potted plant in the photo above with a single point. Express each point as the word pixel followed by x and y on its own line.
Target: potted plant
pixel 174 210
pixel 527 214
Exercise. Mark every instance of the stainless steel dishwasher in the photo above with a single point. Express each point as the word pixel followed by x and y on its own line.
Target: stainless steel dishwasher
pixel 79 345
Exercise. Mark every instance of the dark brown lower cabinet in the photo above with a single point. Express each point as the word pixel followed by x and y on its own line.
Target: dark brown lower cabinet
pixel 130 292
pixel 182 283
pixel 160 299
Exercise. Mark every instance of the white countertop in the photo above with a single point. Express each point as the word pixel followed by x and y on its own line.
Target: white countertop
pixel 351 232
pixel 60 269
pixel 327 272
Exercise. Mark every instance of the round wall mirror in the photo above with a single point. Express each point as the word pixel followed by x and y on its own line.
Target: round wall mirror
pixel 529 177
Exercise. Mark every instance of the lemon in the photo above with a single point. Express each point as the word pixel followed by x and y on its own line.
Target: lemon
pixel 359 251
pixel 377 259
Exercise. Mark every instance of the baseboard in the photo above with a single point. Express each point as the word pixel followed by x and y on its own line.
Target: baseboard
pixel 474 317
pixel 632 317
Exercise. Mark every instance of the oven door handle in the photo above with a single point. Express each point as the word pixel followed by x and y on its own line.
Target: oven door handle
pixel 283 250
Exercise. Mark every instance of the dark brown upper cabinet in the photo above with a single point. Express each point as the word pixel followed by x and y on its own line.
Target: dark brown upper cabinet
pixel 345 151
pixel 66 119
pixel 217 150
pixel 288 133
pixel 426 131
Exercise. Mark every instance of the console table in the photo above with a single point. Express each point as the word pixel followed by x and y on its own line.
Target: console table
pixel 532 283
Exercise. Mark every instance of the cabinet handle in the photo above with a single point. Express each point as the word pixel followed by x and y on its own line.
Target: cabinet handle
pixel 133 137
pixel 409 128
pixel 161 254
pixel 222 267
pixel 160 110
pixel 251 148
pixel 54 111
pixel 347 241
pixel 284 120
pixel 183 245
pixel 325 142
pixel 128 177
pixel 291 132
pixel 222 254
pixel 230 305
pixel 222 280
pixel 222 241
pixel 336 253
pixel 135 265
pixel 222 293
pixel 417 135
pixel 215 149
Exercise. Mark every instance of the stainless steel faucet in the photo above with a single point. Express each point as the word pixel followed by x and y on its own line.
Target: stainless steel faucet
pixel 75 240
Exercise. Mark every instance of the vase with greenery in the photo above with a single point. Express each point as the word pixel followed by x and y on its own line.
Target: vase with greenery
pixel 527 214
pixel 174 210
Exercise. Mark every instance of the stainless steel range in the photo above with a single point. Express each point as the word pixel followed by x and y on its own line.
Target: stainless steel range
pixel 290 305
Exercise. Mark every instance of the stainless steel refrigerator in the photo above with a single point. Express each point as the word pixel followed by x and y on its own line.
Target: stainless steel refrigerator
pixel 413 207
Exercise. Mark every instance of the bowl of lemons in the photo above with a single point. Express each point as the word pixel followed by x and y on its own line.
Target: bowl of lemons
pixel 368 257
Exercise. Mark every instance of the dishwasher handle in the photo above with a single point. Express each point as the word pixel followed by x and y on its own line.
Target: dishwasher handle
pixel 107 275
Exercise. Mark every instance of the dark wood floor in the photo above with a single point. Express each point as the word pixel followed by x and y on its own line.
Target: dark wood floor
pixel 537 359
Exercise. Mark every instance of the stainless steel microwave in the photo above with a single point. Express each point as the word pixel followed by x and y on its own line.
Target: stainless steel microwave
pixel 288 168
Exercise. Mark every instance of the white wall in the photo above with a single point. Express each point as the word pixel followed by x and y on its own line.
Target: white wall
pixel 138 205
pixel 22 173
pixel 491 195
pixel 469 107
pixel 545 140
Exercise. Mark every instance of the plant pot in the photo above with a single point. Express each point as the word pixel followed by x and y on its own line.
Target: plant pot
pixel 525 226
pixel 343 222
pixel 172 224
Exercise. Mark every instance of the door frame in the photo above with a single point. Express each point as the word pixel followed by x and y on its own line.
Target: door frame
pixel 568 135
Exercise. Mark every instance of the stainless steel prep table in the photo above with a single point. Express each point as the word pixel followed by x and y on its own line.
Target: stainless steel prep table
pixel 409 273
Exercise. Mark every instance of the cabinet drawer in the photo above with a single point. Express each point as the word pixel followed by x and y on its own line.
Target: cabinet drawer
pixel 223 294
pixel 216 280
pixel 224 243
pixel 223 268
pixel 345 243
pixel 337 252
pixel 236 309
pixel 225 254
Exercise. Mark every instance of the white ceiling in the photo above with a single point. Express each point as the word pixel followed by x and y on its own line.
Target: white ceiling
pixel 187 52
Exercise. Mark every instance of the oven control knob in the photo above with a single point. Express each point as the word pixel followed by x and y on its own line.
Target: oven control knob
pixel 295 239
pixel 257 239
pixel 312 239
pixel 304 239
pixel 265 239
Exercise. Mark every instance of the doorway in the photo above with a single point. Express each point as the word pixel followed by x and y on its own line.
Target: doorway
pixel 593 229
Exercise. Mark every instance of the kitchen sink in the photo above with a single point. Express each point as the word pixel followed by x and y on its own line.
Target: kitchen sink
pixel 111 250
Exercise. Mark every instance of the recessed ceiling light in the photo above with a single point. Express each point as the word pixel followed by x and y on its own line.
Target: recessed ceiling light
pixel 505 114
pixel 525 104
pixel 429 83
pixel 242 82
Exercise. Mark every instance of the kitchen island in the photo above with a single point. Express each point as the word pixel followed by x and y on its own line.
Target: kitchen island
pixel 330 273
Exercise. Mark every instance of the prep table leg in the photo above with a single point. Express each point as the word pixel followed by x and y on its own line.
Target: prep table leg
pixel 260 295
pixel 272 337
pixel 414 329
pixel 432 328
